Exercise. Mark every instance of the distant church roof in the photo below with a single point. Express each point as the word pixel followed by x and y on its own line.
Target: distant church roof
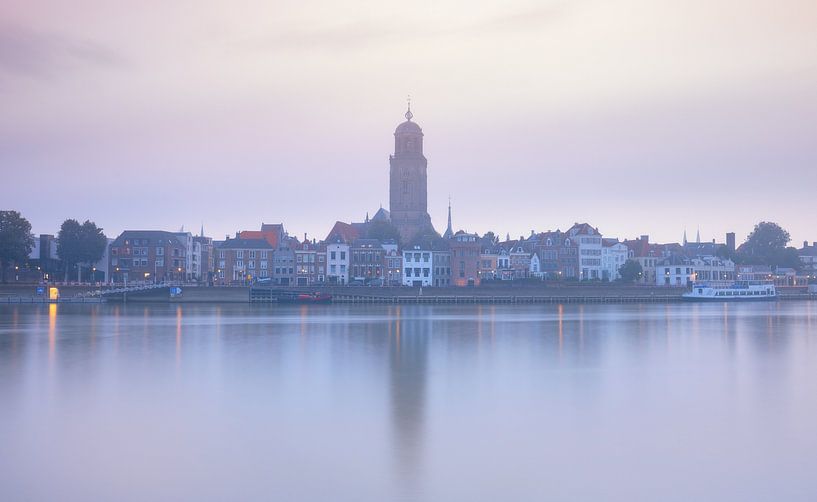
pixel 408 127
pixel 381 215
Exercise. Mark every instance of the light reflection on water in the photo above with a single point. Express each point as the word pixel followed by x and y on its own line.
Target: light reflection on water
pixel 482 402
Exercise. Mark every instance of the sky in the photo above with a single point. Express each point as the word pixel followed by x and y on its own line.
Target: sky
pixel 636 116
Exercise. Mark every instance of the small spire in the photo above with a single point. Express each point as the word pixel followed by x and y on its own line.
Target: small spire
pixel 698 237
pixel 409 115
pixel 449 232
pixel 685 237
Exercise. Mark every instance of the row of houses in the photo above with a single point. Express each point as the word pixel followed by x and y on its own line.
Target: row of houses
pixel 348 255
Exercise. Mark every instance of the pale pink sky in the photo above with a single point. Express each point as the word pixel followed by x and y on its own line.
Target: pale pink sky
pixel 638 116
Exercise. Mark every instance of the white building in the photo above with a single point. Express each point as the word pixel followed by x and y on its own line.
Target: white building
pixel 712 268
pixel 588 240
pixel 192 258
pixel 613 255
pixel 674 271
pixel 337 263
pixel 418 267
pixel 535 266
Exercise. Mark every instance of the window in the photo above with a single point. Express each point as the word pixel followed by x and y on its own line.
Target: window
pixel 343 255
pixel 160 251
pixel 332 255
pixel 252 255
pixel 239 253
pixel 160 262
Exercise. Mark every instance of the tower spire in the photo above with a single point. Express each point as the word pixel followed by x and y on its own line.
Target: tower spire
pixel 698 236
pixel 449 232
pixel 685 237
pixel 409 115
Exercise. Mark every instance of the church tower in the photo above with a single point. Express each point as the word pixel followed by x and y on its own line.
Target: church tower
pixel 408 181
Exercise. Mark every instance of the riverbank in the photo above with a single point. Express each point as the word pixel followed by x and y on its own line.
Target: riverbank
pixel 495 293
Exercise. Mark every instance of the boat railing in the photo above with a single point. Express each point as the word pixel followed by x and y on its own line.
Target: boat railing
pixel 731 284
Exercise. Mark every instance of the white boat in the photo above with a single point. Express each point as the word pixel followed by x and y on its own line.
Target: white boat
pixel 733 291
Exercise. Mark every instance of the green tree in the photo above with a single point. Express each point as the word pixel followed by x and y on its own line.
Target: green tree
pixel 15 239
pixel 630 271
pixel 80 244
pixel 766 245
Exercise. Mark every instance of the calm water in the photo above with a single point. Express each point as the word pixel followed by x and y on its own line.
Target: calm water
pixel 448 403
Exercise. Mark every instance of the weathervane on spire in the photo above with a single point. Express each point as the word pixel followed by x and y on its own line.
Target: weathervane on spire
pixel 409 115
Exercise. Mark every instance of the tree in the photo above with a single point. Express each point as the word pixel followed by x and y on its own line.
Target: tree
pixel 630 271
pixel 79 245
pixel 15 239
pixel 490 238
pixel 766 245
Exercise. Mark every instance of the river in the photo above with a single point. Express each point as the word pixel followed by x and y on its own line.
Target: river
pixel 382 402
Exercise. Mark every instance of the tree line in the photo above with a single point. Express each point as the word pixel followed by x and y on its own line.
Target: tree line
pixel 78 244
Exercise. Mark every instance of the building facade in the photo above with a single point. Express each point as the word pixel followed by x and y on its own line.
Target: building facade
pixel 148 256
pixel 590 249
pixel 465 259
pixel 337 263
pixel 242 261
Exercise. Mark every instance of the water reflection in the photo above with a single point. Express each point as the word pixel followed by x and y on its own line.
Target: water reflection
pixel 408 402
pixel 407 393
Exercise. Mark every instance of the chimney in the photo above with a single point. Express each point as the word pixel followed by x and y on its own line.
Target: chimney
pixel 805 244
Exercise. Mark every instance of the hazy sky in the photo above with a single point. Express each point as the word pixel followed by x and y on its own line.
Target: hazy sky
pixel 638 116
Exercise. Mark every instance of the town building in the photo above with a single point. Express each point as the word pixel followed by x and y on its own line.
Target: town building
pixel 283 262
pixel 392 262
pixel 418 266
pixel 558 255
pixel 589 243
pixel 148 256
pixel 647 255
pixel 465 259
pixel 44 258
pixel 674 271
pixel 206 259
pixel 337 262
pixel 241 261
pixel 367 261
pixel 808 257
pixel 613 255
pixel 308 270
pixel 712 268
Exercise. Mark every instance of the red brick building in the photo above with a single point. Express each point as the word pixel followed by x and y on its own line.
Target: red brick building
pixel 242 261
pixel 147 256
